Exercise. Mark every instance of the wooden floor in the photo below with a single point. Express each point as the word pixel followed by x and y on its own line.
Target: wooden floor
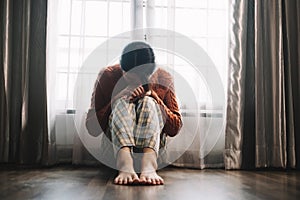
pixel 67 182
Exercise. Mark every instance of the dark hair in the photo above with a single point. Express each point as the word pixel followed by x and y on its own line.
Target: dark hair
pixel 136 54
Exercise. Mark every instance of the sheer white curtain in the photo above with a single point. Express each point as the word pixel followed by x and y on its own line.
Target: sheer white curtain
pixel 77 27
pixel 205 22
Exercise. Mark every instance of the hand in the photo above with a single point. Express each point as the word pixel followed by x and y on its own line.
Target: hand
pixel 132 94
pixel 137 93
pixel 148 93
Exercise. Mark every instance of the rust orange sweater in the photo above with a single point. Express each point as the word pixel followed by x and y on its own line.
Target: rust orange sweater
pixel 162 90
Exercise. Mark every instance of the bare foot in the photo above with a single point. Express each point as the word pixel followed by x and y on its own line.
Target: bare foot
pixel 126 178
pixel 127 174
pixel 151 178
pixel 148 170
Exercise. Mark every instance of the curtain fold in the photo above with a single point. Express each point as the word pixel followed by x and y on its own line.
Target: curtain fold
pixel 263 92
pixel 23 121
pixel 269 81
pixel 238 20
pixel 291 40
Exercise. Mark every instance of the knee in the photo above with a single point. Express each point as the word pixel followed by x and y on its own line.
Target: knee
pixel 149 101
pixel 121 102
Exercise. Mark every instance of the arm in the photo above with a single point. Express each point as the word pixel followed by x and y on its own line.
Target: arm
pixel 171 111
pixel 102 106
pixel 104 97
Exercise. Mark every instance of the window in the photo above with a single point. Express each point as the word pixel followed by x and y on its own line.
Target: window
pixel 203 21
pixel 77 27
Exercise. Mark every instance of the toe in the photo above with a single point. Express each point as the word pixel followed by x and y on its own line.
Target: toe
pixel 135 179
pixel 129 180
pixel 149 180
pixel 157 180
pixel 120 181
pixel 116 181
pixel 161 181
pixel 153 181
pixel 143 179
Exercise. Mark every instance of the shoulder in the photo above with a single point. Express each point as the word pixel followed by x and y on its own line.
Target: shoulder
pixel 163 77
pixel 162 72
pixel 110 72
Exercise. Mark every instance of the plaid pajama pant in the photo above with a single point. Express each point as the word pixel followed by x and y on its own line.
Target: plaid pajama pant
pixel 137 125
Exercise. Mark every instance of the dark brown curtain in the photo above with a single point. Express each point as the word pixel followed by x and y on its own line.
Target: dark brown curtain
pixel 263 115
pixel 23 117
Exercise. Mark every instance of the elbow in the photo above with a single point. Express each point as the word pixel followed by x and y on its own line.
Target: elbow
pixel 174 128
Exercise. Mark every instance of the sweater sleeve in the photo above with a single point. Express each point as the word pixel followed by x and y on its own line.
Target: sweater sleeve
pixel 169 104
pixel 102 100
pixel 103 110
